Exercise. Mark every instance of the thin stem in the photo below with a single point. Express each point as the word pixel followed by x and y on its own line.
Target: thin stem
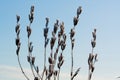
pixel 71 63
pixel 58 74
pixel 22 68
pixel 37 72
pixel 44 63
pixel 30 55
pixel 92 50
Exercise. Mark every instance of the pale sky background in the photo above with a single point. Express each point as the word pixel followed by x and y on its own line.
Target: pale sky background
pixel 101 14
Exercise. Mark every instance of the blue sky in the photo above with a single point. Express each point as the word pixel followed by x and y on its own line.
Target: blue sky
pixel 101 14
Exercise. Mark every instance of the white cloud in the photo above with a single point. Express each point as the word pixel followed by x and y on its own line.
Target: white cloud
pixel 11 73
pixel 14 73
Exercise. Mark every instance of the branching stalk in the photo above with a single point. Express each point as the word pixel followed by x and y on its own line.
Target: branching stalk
pixel 22 68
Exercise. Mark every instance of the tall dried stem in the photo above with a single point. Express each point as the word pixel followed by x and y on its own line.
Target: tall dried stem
pixel 72 33
pixel 18 44
pixel 92 57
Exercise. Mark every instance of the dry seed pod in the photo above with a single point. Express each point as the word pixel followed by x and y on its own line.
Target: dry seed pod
pixel 75 21
pixel 47 21
pixel 17 41
pixel 17 28
pixel 56 26
pixel 46 72
pixel 95 30
pixel 60 57
pixel 52 42
pixel 31 19
pixel 93 43
pixel 46 32
pixel 18 18
pixel 62 28
pixel 33 60
pixel 32 8
pixel 94 35
pixel 63 46
pixel 50 60
pixel 79 11
pixel 29 30
pixel 72 33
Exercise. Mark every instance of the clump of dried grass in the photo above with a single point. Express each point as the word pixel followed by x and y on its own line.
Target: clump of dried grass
pixel 56 58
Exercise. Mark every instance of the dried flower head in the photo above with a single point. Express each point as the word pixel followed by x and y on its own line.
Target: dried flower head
pixel 33 60
pixel 29 30
pixel 75 21
pixel 18 18
pixel 46 32
pixel 79 11
pixel 93 43
pixel 17 28
pixel 52 42
pixel 63 45
pixel 62 28
pixel 56 25
pixel 50 60
pixel 94 34
pixel 17 41
pixel 47 21
pixel 60 57
pixel 72 33
pixel 31 15
pixel 32 8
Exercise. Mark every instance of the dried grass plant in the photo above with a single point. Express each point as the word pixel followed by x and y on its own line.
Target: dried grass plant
pixel 56 58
